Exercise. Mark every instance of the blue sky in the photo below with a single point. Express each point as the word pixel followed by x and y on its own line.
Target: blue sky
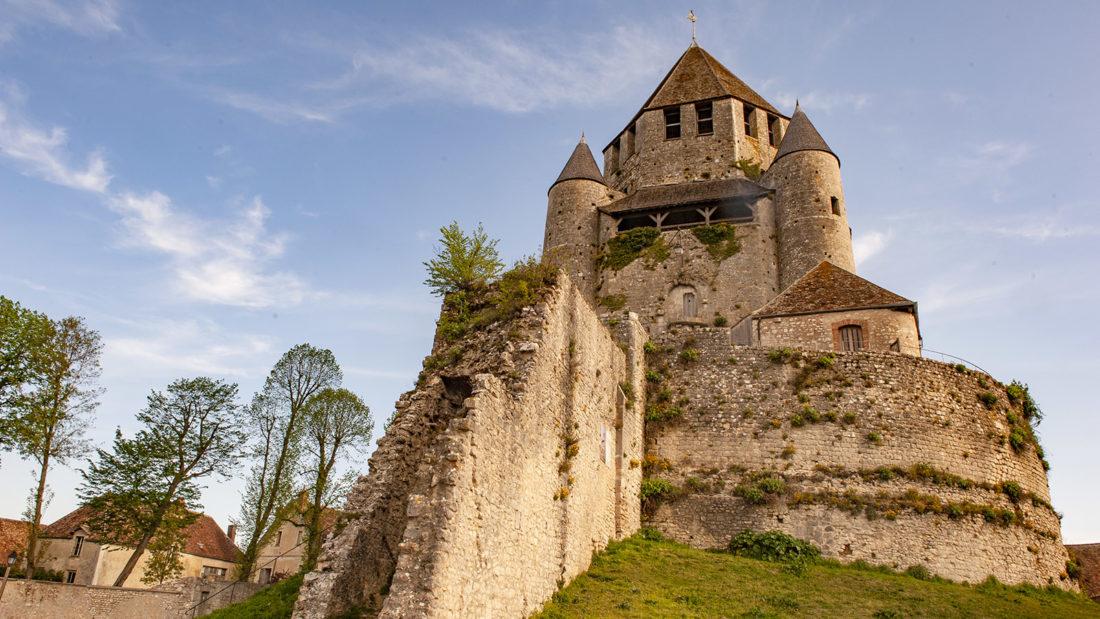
pixel 209 184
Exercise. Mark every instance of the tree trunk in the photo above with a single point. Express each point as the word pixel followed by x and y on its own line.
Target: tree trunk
pixel 131 563
pixel 36 521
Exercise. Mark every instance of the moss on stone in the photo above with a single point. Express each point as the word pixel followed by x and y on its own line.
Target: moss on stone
pixel 626 247
pixel 720 240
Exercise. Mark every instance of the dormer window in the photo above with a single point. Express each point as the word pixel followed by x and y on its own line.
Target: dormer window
pixel 672 123
pixel 773 130
pixel 746 111
pixel 704 118
pixel 78 545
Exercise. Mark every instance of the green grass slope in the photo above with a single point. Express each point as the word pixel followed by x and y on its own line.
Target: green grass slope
pixel 274 602
pixel 652 578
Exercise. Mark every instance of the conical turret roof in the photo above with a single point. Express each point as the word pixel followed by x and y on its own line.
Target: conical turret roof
pixel 697 76
pixel 802 135
pixel 581 165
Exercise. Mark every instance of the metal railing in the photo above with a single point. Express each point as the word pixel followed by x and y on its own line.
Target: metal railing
pixel 946 358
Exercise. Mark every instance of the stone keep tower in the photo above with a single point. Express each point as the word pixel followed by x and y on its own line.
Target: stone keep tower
pixel 811 217
pixel 705 150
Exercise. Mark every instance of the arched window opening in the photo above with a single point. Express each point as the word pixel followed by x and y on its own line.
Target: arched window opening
pixel 690 309
pixel 851 338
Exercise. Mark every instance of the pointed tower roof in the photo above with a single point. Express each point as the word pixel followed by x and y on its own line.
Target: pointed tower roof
pixel 829 288
pixel 802 135
pixel 581 165
pixel 696 76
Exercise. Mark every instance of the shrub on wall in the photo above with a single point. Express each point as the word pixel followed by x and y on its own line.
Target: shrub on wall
pixel 626 247
pixel 720 240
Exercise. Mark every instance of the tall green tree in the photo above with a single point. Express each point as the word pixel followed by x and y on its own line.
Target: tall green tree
pixel 337 424
pixel 165 562
pixel 22 331
pixel 276 423
pixel 463 262
pixel 46 424
pixel 151 483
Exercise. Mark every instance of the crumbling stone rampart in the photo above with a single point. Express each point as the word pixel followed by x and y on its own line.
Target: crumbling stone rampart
pixel 500 475
pixel 876 456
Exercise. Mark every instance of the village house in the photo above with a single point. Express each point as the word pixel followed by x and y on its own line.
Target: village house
pixel 71 548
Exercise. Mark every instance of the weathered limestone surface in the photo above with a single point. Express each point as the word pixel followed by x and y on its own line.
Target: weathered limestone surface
pixel 738 407
pixel 880 329
pixel 54 600
pixel 493 487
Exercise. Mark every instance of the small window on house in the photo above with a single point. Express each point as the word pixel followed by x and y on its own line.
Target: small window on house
pixel 300 533
pixel 672 123
pixel 78 545
pixel 690 310
pixel 851 337
pixel 70 577
pixel 278 538
pixel 746 113
pixel 836 205
pixel 203 595
pixel 704 118
pixel 773 130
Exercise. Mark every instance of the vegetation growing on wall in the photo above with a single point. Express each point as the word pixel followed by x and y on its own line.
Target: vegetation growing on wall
pixel 626 247
pixel 750 168
pixel 613 302
pixel 720 240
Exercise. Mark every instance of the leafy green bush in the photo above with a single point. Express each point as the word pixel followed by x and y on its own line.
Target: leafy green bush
pixel 1017 439
pixel 875 438
pixel 625 247
pixel 919 572
pixel 1019 394
pixel 1073 570
pixel 773 546
pixel 274 602
pixel 650 348
pixel 689 355
pixel 1012 490
pixel 720 320
pixel 720 240
pixel 781 355
pixel 988 399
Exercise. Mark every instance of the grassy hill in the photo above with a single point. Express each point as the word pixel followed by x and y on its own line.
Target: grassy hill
pixel 654 578
pixel 641 577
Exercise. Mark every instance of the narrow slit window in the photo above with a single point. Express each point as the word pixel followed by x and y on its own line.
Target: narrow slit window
pixel 704 118
pixel 835 204
pixel 851 338
pixel 689 305
pixel 628 145
pixel 746 113
pixel 278 538
pixel 672 123
pixel 773 130
pixel 70 577
pixel 78 545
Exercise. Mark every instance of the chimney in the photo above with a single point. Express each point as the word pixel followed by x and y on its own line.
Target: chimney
pixel 231 533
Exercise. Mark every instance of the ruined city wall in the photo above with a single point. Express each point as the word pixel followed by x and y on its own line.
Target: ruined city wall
pixel 883 457
pixel 498 479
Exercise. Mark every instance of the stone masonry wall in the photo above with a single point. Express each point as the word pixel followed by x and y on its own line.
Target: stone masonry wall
pixel 877 456
pixel 571 239
pixel 880 327
pixel 54 600
pixel 733 287
pixel 524 475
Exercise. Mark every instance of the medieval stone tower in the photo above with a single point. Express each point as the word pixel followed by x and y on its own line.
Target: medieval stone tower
pixel 706 328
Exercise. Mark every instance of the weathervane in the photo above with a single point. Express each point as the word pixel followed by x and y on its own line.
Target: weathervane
pixel 691 18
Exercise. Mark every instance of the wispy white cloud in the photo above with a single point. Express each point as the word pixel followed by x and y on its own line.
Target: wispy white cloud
pixel 956 295
pixel 186 346
pixel 870 243
pixel 42 152
pixel 214 261
pixel 84 17
pixel 513 71
pixel 1042 225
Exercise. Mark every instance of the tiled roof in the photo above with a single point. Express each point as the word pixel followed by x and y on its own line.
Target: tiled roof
pixel 581 165
pixel 802 135
pixel 828 288
pixel 687 193
pixel 13 536
pixel 697 76
pixel 1088 558
pixel 204 537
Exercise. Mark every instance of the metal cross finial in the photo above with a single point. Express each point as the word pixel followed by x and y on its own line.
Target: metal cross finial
pixel 692 18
